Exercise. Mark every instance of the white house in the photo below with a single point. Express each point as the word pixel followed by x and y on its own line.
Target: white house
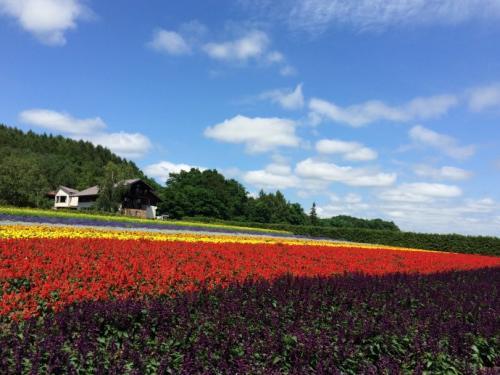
pixel 65 198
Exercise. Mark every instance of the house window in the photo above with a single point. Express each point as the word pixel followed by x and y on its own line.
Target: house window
pixel 62 199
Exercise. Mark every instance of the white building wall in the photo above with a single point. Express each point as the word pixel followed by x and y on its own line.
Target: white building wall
pixel 151 212
pixel 69 201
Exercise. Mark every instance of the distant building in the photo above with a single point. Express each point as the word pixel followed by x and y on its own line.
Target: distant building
pixel 139 200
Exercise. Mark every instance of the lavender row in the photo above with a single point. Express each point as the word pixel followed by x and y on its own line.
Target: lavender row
pixel 127 224
pixel 444 323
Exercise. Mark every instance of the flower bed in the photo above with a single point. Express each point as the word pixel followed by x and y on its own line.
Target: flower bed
pixel 37 273
pixel 84 300
pixel 353 324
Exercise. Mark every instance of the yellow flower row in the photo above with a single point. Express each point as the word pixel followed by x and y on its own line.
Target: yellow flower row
pixel 43 231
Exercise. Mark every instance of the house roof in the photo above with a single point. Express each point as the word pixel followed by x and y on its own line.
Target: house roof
pixel 133 181
pixel 129 181
pixel 93 190
pixel 68 190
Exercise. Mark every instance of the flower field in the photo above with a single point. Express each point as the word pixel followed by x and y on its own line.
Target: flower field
pixel 83 300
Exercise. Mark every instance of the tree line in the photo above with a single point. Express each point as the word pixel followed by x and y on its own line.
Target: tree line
pixel 33 164
pixel 195 193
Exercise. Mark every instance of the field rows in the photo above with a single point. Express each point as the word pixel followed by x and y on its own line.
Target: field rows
pixel 144 302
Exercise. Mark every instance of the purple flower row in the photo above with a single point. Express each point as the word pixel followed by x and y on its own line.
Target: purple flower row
pixel 443 323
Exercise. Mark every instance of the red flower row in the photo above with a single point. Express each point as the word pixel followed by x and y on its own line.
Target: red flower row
pixel 56 272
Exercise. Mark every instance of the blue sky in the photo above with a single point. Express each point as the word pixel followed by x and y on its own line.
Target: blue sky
pixel 373 108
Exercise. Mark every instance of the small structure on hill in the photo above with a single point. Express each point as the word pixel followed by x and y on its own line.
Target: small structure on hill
pixel 139 199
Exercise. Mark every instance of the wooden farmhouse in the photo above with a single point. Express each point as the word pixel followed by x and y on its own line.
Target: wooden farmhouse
pixel 139 199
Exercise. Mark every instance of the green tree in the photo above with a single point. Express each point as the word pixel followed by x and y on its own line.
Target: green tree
pixel 22 183
pixel 203 193
pixel 111 187
pixel 274 208
pixel 313 216
pixel 345 221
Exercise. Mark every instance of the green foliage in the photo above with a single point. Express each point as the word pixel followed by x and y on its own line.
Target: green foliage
pixel 32 164
pixel 441 242
pixel 21 182
pixel 209 194
pixel 426 241
pixel 202 193
pixel 344 221
pixel 313 216
pixel 111 192
pixel 274 208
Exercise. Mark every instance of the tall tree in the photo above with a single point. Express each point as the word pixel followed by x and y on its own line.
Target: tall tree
pixel 313 216
pixel 111 187
pixel 21 184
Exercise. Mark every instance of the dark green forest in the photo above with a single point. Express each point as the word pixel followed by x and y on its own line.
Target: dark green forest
pixel 33 164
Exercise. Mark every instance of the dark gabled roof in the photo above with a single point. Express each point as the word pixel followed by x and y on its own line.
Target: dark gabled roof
pixel 130 182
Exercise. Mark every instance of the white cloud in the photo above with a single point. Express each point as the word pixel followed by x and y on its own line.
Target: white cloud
pixel 47 20
pixel 375 110
pixel 420 192
pixel 288 70
pixel 350 204
pixel 161 170
pixel 288 99
pixel 444 143
pixel 353 198
pixel 443 173
pixel 352 151
pixel 445 215
pixel 442 216
pixel 253 45
pixel 484 205
pixel 193 30
pixel 279 175
pixel 129 145
pixel 257 133
pixel 274 176
pixel 481 98
pixel 169 42
pixel 319 170
pixel 317 15
pixel 275 57
pixel 61 122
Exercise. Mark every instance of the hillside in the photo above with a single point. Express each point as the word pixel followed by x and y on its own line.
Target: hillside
pixel 32 164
